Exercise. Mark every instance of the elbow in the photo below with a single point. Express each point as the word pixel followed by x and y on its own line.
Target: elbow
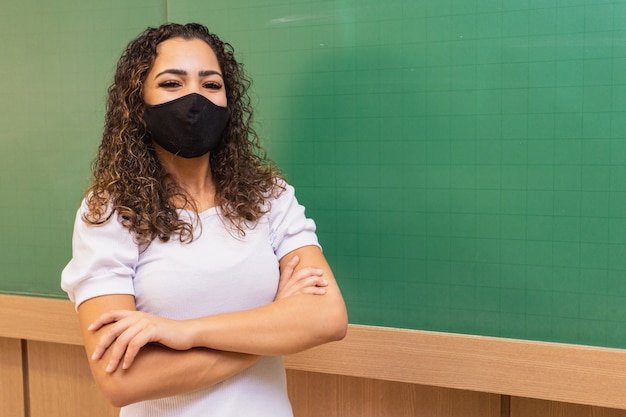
pixel 120 398
pixel 117 397
pixel 118 401
pixel 115 390
pixel 330 326
pixel 340 329
pixel 336 327
pixel 341 333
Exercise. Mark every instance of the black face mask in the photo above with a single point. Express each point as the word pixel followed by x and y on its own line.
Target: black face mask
pixel 189 126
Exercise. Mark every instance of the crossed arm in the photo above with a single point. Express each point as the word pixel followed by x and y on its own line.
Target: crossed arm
pixel 170 357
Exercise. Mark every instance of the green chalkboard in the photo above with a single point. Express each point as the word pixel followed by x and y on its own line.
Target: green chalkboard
pixel 56 61
pixel 465 160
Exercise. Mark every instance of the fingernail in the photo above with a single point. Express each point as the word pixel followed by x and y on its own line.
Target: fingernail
pixel 109 368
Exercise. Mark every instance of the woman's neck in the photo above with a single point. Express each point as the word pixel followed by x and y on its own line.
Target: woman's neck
pixel 193 176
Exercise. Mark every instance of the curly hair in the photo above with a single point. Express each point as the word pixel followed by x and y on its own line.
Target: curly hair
pixel 127 176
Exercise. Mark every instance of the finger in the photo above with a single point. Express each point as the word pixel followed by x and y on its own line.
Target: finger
pixel 109 335
pixel 309 281
pixel 294 261
pixel 309 285
pixel 106 339
pixel 287 271
pixel 306 291
pixel 312 283
pixel 313 291
pixel 128 339
pixel 133 347
pixel 307 272
pixel 107 318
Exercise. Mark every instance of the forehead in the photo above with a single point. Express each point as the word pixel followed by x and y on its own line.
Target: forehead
pixel 185 52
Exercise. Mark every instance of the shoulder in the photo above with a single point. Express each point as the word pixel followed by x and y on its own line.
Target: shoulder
pixel 100 226
pixel 280 193
pixel 96 208
pixel 290 228
pixel 103 259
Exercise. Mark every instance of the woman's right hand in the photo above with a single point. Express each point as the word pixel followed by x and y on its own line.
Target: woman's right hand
pixel 304 281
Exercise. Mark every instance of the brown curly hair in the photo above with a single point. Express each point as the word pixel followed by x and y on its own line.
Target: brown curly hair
pixel 127 175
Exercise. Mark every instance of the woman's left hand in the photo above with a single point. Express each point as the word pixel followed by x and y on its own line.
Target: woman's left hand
pixel 128 331
pixel 304 281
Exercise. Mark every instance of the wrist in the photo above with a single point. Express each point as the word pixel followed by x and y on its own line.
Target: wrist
pixel 197 333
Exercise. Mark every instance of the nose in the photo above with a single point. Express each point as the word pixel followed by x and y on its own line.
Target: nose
pixel 195 87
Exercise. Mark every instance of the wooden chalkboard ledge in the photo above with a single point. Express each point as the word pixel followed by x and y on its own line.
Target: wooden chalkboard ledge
pixel 550 371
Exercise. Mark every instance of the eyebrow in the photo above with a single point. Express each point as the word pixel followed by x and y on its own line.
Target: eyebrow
pixel 183 72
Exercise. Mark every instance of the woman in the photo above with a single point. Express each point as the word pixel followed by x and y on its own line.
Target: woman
pixel 194 267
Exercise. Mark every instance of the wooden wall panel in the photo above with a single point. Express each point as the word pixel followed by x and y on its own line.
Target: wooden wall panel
pixel 11 382
pixel 315 394
pixel 520 368
pixel 525 407
pixel 42 319
pixel 61 385
pixel 373 372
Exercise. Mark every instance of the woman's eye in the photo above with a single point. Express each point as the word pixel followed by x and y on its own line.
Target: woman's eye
pixel 169 84
pixel 212 85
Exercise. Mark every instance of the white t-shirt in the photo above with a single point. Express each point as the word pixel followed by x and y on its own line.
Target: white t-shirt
pixel 218 272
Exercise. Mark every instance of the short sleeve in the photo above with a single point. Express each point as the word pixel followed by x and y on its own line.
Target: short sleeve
pixel 103 260
pixel 290 229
